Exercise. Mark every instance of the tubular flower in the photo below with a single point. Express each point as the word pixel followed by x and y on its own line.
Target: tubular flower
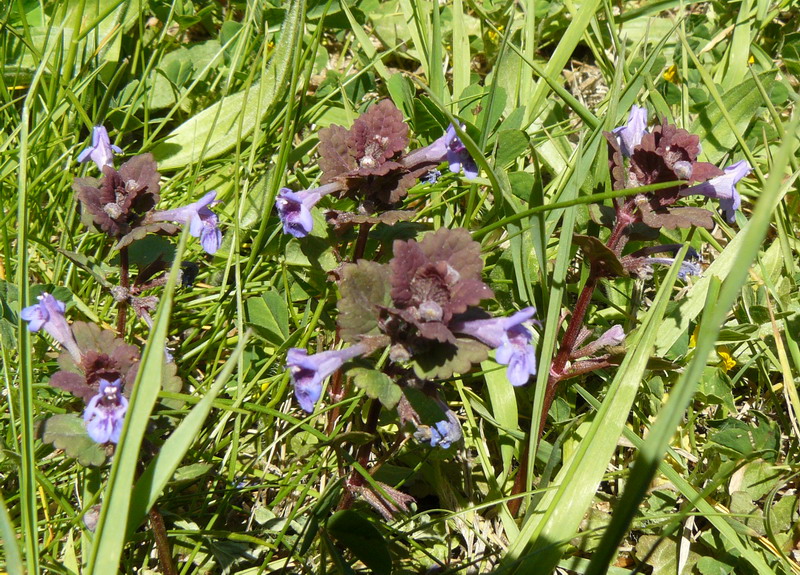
pixel 688 267
pixel 105 412
pixel 511 341
pixel 203 223
pixel 442 434
pixel 630 135
pixel 723 188
pixel 294 208
pixel 49 314
pixel 102 151
pixel 309 371
pixel 457 155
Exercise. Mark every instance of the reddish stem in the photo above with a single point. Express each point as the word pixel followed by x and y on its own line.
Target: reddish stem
pixel 124 282
pixel 362 456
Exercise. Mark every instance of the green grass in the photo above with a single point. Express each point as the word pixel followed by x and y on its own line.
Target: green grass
pixel 668 463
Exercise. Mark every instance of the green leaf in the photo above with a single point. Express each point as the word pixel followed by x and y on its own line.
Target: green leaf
pixel 119 501
pixel 269 316
pixel 158 473
pixel 377 385
pixel 511 144
pixel 68 432
pixel 711 566
pixel 191 472
pixel 364 286
pixel 740 439
pixel 8 534
pixel 362 539
pixel 741 102
pixel 442 360
pixel 219 127
pixel 504 409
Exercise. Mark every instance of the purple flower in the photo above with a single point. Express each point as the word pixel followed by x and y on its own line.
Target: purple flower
pixel 294 208
pixel 432 176
pixel 630 135
pixel 102 151
pixel 457 155
pixel 105 412
pixel 203 223
pixel 688 267
pixel 49 314
pixel 723 188
pixel 510 339
pixel 610 338
pixel 309 371
pixel 443 433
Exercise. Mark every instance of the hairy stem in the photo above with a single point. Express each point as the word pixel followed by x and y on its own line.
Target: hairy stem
pixel 162 543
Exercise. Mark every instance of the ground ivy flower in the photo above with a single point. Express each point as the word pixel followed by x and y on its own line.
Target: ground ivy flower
pixel 688 267
pixel 203 223
pixel 457 155
pixel 443 433
pixel 294 208
pixel 510 339
pixel 309 371
pixel 723 188
pixel 630 135
pixel 102 151
pixel 48 314
pixel 105 412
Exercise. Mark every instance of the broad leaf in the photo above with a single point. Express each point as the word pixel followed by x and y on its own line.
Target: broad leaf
pixel 363 540
pixel 219 127
pixel 68 432
pixel 377 385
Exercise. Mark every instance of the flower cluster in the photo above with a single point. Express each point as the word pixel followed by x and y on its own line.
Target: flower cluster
pixel 368 163
pixel 122 203
pixel 97 366
pixel 94 371
pixel 424 306
pixel 668 154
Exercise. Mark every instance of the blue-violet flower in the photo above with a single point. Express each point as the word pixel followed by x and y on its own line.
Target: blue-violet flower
pixel 105 412
pixel 630 135
pixel 510 339
pixel 203 223
pixel 49 314
pixel 102 151
pixel 309 371
pixel 457 155
pixel 688 267
pixel 294 208
pixel 723 188
pixel 443 433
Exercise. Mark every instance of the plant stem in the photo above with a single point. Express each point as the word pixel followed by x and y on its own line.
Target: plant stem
pixel 124 282
pixel 162 543
pixel 362 456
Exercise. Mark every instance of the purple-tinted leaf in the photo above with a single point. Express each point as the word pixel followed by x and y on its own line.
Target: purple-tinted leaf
pixel 336 157
pixel 140 232
pixel 67 432
pixel 364 289
pixel 345 220
pixel 441 361
pixel 672 218
pixel 457 248
pixel 601 257
pixel 73 383
pixel 379 134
